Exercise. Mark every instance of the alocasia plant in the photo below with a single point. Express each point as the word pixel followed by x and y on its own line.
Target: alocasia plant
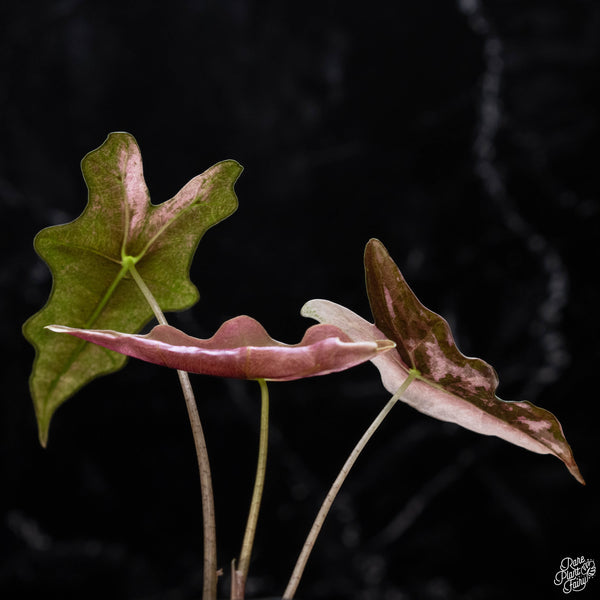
pixel 124 260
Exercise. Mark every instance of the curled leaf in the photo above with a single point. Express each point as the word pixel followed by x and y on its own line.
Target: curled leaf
pixel 451 387
pixel 91 260
pixel 242 349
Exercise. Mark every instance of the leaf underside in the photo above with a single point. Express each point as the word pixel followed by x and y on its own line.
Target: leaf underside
pixel 242 349
pixel 451 387
pixel 89 258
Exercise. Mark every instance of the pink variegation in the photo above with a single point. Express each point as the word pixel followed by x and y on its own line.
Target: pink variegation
pixel 450 387
pixel 242 349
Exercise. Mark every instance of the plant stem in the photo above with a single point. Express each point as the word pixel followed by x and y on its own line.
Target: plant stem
pixel 337 484
pixel 240 575
pixel 209 591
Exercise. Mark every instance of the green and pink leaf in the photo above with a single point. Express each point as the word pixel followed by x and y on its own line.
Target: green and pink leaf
pixel 90 262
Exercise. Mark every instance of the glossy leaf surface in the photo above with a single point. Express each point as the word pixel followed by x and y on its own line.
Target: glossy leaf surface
pixel 242 349
pixel 91 260
pixel 451 387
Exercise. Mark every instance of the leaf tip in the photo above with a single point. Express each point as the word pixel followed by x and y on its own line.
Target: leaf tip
pixel 385 345
pixel 574 470
pixel 43 437
pixel 57 328
pixel 375 245
pixel 236 166
pixel 308 310
pixel 43 428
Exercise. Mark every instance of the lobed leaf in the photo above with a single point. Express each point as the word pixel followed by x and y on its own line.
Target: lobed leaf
pixel 91 259
pixel 242 349
pixel 451 387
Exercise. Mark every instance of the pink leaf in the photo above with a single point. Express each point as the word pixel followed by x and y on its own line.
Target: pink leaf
pixel 242 349
pixel 451 387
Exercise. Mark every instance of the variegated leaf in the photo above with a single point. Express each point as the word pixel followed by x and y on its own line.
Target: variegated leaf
pixel 451 387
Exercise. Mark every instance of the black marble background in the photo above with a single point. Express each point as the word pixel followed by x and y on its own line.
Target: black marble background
pixel 463 134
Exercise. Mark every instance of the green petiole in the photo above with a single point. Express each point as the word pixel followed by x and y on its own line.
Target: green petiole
pixel 239 575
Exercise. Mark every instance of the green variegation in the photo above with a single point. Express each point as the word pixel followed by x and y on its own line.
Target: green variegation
pixel 92 258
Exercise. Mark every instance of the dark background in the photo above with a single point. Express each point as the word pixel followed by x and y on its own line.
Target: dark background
pixel 464 136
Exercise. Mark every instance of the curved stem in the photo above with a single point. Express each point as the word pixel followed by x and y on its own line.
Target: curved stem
pixel 209 591
pixel 240 575
pixel 337 484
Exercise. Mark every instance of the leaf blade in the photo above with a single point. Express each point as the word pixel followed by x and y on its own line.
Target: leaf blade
pixel 241 348
pixel 92 287
pixel 520 423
